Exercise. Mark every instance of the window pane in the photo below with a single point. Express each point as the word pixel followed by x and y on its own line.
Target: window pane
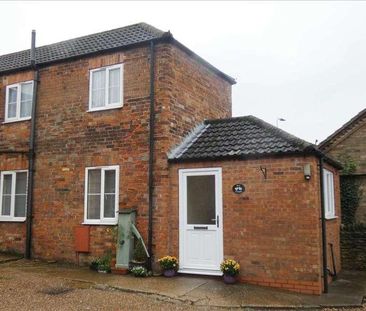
pixel 114 86
pixel 93 207
pixel 21 183
pixel 94 181
pixel 12 102
pixel 201 208
pixel 7 184
pixel 6 202
pixel 110 181
pixel 20 204
pixel 26 100
pixel 109 205
pixel 5 211
pixel 98 88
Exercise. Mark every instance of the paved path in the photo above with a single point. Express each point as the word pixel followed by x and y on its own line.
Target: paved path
pixel 348 290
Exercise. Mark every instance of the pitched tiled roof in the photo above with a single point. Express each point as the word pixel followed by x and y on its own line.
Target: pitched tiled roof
pixel 238 138
pixel 343 130
pixel 81 46
pixel 98 43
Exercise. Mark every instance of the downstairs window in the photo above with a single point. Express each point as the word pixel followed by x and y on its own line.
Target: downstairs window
pixel 101 195
pixel 13 195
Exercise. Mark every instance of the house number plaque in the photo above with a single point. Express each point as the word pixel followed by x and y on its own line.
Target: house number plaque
pixel 238 188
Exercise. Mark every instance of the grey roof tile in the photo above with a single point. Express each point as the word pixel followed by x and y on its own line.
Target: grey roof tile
pixel 94 43
pixel 240 137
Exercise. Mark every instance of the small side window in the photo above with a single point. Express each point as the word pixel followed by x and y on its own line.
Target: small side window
pixel 18 105
pixel 106 88
pixel 328 181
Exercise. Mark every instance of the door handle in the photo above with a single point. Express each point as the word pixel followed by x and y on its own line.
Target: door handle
pixel 217 221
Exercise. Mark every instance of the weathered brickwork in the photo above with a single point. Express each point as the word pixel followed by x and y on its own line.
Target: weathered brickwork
pixel 69 139
pixel 351 143
pixel 273 228
pixel 186 94
pixel 353 249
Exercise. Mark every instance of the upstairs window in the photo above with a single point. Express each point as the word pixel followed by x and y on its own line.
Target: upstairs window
pixel 101 195
pixel 19 99
pixel 106 91
pixel 328 194
pixel 13 195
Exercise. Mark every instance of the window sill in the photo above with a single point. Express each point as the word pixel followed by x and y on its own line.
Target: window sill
pixel 18 120
pixel 105 108
pixel 6 219
pixel 90 223
pixel 331 218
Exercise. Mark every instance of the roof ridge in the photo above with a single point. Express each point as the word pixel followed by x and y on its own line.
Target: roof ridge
pixel 143 25
pixel 285 135
pixel 266 125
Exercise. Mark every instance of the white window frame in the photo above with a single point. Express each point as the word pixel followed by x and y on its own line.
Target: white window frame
pixel 102 220
pixel 106 98
pixel 329 202
pixel 17 116
pixel 11 218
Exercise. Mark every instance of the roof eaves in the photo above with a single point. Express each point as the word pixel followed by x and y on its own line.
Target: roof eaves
pixel 239 157
pixel 360 115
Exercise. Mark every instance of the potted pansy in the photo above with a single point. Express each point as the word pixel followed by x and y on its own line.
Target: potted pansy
pixel 169 265
pixel 230 268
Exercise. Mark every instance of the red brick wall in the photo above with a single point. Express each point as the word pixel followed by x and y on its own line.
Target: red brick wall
pixel 273 228
pixel 12 235
pixel 13 136
pixel 333 226
pixel 186 94
pixel 68 139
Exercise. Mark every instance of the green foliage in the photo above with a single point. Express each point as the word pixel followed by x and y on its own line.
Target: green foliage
pixel 169 263
pixel 139 271
pixel 349 166
pixel 356 227
pixel 350 191
pixel 139 252
pixel 102 263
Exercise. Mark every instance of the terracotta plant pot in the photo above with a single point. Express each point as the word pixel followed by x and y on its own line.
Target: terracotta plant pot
pixel 169 273
pixel 229 279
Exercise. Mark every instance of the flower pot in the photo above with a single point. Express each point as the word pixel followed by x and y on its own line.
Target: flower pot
pixel 169 273
pixel 136 263
pixel 229 279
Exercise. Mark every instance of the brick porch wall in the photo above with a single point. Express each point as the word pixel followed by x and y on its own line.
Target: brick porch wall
pixel 273 228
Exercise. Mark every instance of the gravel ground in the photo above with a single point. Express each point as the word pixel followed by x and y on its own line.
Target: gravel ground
pixel 29 291
pixel 34 291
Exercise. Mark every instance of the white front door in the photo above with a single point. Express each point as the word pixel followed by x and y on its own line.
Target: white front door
pixel 200 221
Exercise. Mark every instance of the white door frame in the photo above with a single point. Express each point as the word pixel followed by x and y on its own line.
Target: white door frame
pixel 183 173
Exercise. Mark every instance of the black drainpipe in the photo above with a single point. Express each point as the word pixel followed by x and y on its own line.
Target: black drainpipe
pixel 151 151
pixel 324 229
pixel 28 242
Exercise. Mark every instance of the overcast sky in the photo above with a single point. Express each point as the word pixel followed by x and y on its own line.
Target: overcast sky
pixel 301 61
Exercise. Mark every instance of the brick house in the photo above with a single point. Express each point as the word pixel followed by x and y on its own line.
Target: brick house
pixel 131 118
pixel 349 141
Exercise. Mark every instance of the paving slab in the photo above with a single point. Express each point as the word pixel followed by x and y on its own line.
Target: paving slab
pixel 348 290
